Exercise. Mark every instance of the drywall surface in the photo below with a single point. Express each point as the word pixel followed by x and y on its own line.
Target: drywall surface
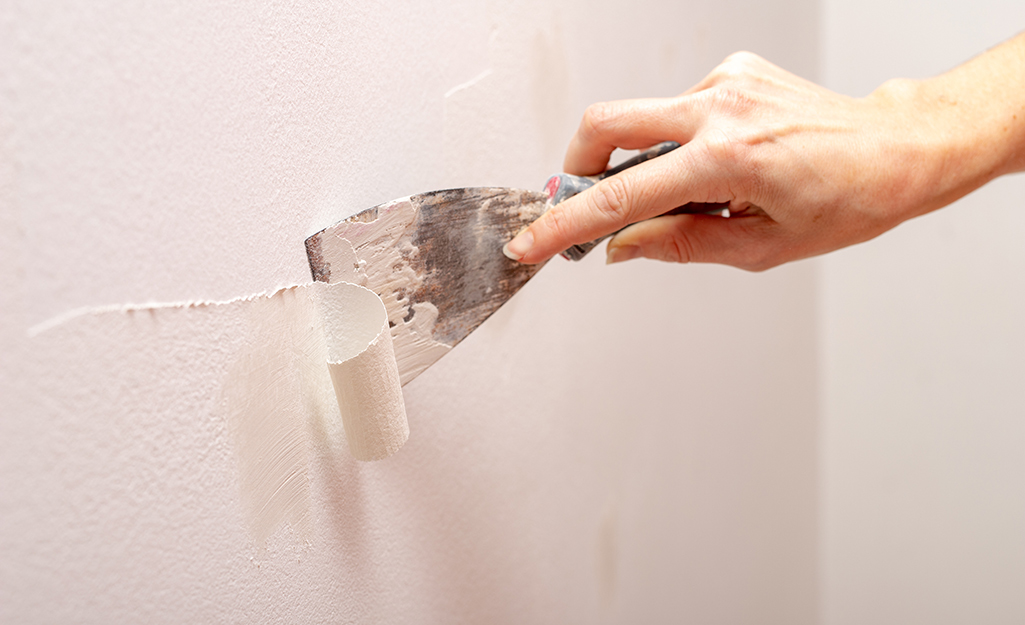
pixel 923 487
pixel 624 444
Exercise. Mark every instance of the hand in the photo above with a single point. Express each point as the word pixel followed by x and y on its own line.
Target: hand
pixel 804 170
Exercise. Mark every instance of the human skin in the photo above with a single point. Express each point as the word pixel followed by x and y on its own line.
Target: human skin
pixel 804 170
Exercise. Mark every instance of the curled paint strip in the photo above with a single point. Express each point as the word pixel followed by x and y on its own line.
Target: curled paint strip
pixel 364 372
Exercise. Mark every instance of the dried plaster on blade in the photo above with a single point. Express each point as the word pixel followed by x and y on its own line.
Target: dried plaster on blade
pixel 374 256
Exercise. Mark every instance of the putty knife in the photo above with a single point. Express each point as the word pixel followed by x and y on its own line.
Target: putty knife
pixel 436 258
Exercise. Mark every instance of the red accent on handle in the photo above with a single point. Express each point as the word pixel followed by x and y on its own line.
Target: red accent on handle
pixel 552 186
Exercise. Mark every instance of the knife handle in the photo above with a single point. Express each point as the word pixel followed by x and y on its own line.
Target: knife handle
pixel 563 186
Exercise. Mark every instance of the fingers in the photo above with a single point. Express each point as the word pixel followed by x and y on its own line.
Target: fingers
pixel 635 124
pixel 750 243
pixel 627 124
pixel 643 191
pixel 713 165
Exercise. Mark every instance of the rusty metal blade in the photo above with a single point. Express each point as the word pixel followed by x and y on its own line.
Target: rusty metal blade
pixel 435 259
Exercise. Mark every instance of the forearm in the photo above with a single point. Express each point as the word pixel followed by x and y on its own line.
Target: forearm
pixel 969 123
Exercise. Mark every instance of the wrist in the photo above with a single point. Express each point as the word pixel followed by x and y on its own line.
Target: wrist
pixel 959 130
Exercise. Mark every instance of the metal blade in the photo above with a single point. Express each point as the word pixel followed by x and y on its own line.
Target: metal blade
pixel 435 259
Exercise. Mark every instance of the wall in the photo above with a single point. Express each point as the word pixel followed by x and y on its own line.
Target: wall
pixel 625 444
pixel 923 351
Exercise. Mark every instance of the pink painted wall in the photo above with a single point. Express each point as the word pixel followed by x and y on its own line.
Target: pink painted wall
pixel 625 444
pixel 923 476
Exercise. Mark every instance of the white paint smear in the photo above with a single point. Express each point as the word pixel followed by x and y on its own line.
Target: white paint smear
pixel 300 343
pixel 314 358
pixel 303 335
pixel 271 391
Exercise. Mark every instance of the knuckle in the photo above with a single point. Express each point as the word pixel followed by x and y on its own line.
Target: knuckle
pixel 733 99
pixel 677 248
pixel 735 67
pixel 739 160
pixel 681 105
pixel 610 199
pixel 744 58
pixel 744 69
pixel 597 118
pixel 722 148
pixel 559 225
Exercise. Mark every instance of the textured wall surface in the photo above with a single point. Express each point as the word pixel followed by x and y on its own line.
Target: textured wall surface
pixel 923 352
pixel 628 444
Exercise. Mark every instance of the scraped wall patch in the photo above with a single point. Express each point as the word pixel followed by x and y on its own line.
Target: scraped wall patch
pixel 309 354
pixel 271 390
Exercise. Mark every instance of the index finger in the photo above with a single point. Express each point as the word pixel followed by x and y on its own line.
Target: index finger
pixel 644 191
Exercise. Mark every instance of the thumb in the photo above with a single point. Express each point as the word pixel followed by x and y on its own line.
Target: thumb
pixel 744 242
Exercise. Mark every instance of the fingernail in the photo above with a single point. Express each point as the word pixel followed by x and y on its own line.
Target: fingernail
pixel 622 253
pixel 519 246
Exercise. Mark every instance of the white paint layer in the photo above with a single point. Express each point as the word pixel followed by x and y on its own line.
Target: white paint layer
pixel 363 370
pixel 272 391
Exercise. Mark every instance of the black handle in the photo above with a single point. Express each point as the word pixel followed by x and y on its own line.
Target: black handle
pixel 563 186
